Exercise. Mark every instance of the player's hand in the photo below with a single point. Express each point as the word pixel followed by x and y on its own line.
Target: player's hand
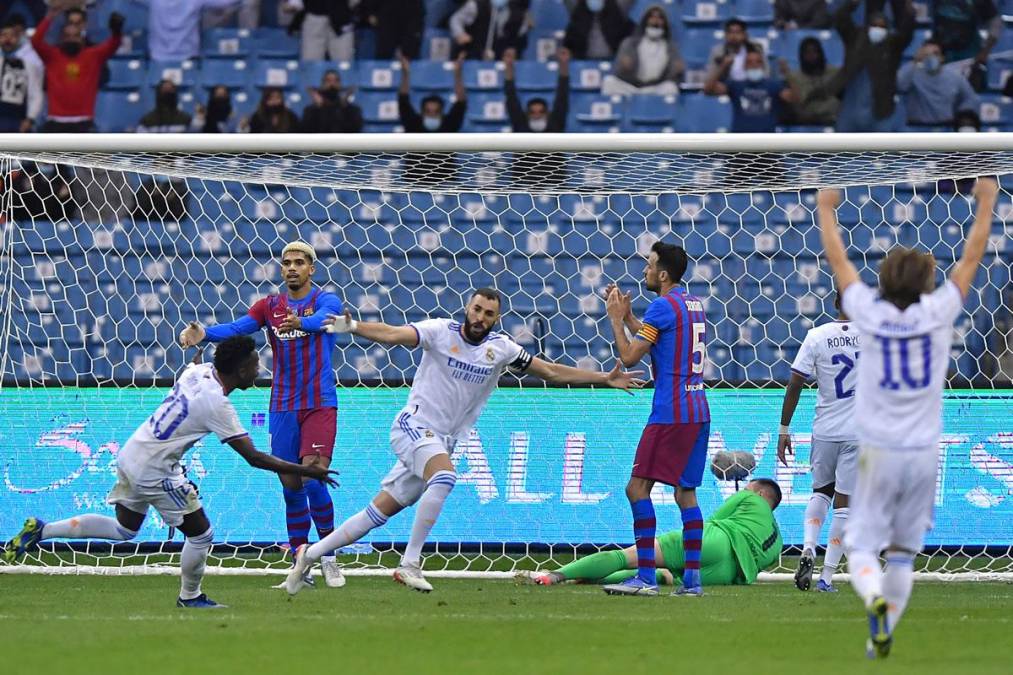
pixel 625 380
pixel 322 474
pixel 986 189
pixel 828 198
pixel 192 335
pixel 291 322
pixel 618 305
pixel 784 448
pixel 340 324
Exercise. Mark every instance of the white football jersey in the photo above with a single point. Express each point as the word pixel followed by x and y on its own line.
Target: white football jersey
pixel 905 356
pixel 829 355
pixel 455 378
pixel 196 407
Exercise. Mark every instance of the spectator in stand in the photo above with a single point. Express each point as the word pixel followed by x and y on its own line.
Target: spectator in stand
pixel 812 104
pixel 432 118
pixel 967 122
pixel 792 14
pixel 398 25
pixel 272 116
pixel 756 101
pixel 174 27
pixel 72 73
pixel 331 112
pixel 648 61
pixel 247 15
pixel 327 28
pixel 77 16
pixel 933 94
pixel 868 78
pixel 597 28
pixel 217 117
pixel 166 118
pixel 736 45
pixel 957 26
pixel 536 116
pixel 20 82
pixel 484 29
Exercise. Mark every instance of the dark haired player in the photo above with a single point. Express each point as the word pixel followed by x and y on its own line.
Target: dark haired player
pixel 673 447
pixel 149 473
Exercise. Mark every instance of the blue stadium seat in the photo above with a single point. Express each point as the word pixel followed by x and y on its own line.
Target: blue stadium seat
pixel 312 72
pixel 55 362
pixel 276 43
pixel 704 114
pixel 436 44
pixel 543 43
pixel 135 17
pixel 535 76
pixel 231 73
pixel 483 76
pixel 999 70
pixel 379 75
pixel 117 111
pixel 277 73
pixel 595 112
pixel 786 45
pixel 696 45
pixel 651 113
pixel 587 75
pixel 379 108
pixel 432 76
pixel 126 74
pixel 706 12
pixel 549 14
pixel 755 12
pixel 227 43
pixel 183 73
pixel 995 109
pixel 487 112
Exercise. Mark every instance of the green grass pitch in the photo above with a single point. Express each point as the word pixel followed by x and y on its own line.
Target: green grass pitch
pixel 110 625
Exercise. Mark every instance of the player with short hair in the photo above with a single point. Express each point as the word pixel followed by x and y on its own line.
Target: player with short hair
pixel 461 365
pixel 740 539
pixel 149 471
pixel 673 447
pixel 828 354
pixel 907 330
pixel 304 400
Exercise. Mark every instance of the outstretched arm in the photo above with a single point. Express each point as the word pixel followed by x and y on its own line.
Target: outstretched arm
pixel 986 191
pixel 845 273
pixel 791 396
pixel 383 333
pixel 557 373
pixel 194 333
pixel 261 460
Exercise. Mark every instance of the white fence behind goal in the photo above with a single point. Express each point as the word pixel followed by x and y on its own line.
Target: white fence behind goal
pixel 110 244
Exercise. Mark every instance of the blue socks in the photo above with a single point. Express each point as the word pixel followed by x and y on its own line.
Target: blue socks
pixel 692 542
pixel 644 526
pixel 297 517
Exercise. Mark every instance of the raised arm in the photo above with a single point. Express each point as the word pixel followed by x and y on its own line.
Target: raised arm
pixel 518 120
pixel 261 460
pixel 791 396
pixel 986 191
pixel 843 22
pixel 845 273
pixel 108 47
pixel 39 44
pixel 630 351
pixel 561 101
pixel 557 373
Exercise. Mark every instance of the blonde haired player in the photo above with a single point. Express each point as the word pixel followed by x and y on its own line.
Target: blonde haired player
pixel 907 329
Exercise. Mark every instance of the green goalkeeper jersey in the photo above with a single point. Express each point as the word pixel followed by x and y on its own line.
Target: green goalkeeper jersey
pixel 749 522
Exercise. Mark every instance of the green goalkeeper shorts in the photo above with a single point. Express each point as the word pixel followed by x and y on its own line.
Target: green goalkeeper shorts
pixel 718 566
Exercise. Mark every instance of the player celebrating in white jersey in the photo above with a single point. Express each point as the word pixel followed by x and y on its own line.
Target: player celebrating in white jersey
pixel 828 354
pixel 907 329
pixel 149 471
pixel 461 366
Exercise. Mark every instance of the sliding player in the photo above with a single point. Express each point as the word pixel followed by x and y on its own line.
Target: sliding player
pixel 303 419
pixel 740 539
pixel 907 329
pixel 461 366
pixel 673 447
pixel 828 354
pixel 149 473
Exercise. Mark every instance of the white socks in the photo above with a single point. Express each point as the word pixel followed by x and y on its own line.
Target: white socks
pixel 87 526
pixel 835 544
pixel 428 510
pixel 195 555
pixel 350 531
pixel 815 514
pixel 897 581
pixel 866 574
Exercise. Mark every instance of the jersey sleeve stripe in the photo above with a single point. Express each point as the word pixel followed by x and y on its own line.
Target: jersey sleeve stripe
pixel 799 372
pixel 232 438
pixel 648 332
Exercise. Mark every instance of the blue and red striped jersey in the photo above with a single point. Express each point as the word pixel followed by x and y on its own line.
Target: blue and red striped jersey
pixel 303 373
pixel 676 327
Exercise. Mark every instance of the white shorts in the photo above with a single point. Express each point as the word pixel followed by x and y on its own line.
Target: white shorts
pixel 893 500
pixel 414 446
pixel 834 462
pixel 173 497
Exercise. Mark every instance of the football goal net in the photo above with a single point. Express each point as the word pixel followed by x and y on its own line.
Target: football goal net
pixel 109 245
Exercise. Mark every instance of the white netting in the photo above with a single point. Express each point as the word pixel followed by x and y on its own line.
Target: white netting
pixel 105 255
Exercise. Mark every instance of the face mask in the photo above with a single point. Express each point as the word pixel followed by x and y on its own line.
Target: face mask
pixel 754 74
pixel 596 5
pixel 654 32
pixel 538 125
pixel 877 34
pixel 220 107
pixel 932 63
pixel 432 123
pixel 967 130
pixel 167 99
pixel 329 95
pixel 71 49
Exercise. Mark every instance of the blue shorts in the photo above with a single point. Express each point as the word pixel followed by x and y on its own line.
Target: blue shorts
pixel 302 433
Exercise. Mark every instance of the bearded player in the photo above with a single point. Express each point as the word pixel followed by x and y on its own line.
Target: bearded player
pixel 461 366
pixel 673 447
pixel 303 413
pixel 907 330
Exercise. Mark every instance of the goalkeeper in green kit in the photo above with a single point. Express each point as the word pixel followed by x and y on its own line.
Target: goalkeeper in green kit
pixel 740 539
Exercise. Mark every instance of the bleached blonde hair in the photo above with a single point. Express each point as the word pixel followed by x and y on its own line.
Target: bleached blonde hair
pixel 300 247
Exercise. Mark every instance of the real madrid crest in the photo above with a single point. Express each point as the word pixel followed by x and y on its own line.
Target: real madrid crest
pixel 489 355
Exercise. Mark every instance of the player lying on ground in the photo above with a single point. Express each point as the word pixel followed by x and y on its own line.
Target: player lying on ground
pixel 149 473
pixel 673 447
pixel 461 366
pixel 828 355
pixel 740 539
pixel 907 329
pixel 303 414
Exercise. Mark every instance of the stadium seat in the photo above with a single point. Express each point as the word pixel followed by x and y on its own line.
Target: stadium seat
pixel 651 113
pixel 999 70
pixel 379 76
pixel 126 74
pixel 587 75
pixel 695 12
pixel 284 74
pixel 704 114
pixel 487 112
pixel 595 112
pixel 755 12
pixel 535 76
pixel 234 74
pixel 118 111
pixel 549 14
pixel 483 76
pixel 185 74
pixel 276 43
pixel 542 44
pixel 378 108
pixel 227 43
pixel 436 44
pixel 432 76
pixel 995 109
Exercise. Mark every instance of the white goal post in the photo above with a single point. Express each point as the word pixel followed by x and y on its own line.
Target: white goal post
pixel 110 243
